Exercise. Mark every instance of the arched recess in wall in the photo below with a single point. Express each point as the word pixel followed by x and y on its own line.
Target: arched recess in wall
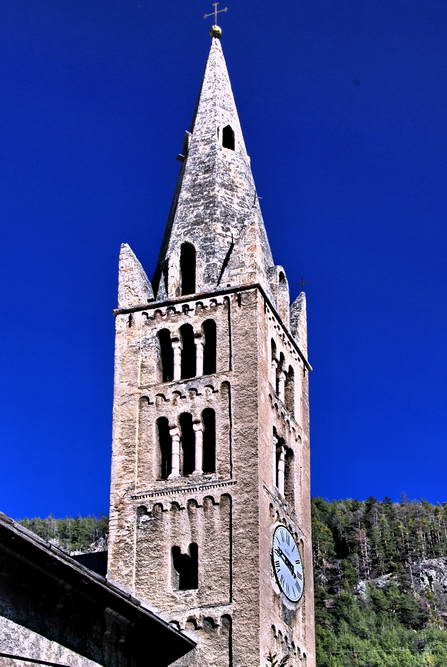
pixel 273 363
pixel 277 459
pixel 209 440
pixel 166 355
pixel 209 330
pixel 188 441
pixel 279 387
pixel 289 477
pixel 290 391
pixel 188 369
pixel 226 430
pixel 164 447
pixel 144 454
pixel 226 624
pixel 188 268
pixel 228 140
pixel 225 527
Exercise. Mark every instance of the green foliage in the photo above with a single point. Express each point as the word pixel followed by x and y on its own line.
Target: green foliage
pixel 387 621
pixel 69 534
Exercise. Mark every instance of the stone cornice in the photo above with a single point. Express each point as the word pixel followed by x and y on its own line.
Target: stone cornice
pixel 190 488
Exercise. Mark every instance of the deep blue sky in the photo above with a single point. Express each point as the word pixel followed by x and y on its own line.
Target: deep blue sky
pixel 343 106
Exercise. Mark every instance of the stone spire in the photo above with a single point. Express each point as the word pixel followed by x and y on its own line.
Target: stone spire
pixel 216 208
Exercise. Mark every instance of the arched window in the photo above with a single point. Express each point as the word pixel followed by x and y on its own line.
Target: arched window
pixel 166 355
pixel 188 268
pixel 210 347
pixel 165 447
pixel 228 137
pixel 185 568
pixel 290 391
pixel 188 369
pixel 209 440
pixel 188 443
pixel 272 350
pixel 282 278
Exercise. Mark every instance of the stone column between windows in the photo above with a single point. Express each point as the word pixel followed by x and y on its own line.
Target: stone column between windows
pixel 198 461
pixel 175 455
pixel 281 469
pixel 198 340
pixel 281 385
pixel 177 350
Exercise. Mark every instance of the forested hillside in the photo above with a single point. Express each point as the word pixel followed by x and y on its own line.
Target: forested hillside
pixel 380 579
pixel 380 583
pixel 72 535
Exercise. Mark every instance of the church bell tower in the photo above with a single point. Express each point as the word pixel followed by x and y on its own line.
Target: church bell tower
pixel 210 493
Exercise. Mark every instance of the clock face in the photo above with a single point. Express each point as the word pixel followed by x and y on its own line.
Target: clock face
pixel 287 564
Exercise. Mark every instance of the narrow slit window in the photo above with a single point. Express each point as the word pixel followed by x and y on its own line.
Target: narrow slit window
pixel 166 355
pixel 209 440
pixel 188 364
pixel 228 137
pixel 166 276
pixel 188 268
pixel 188 444
pixel 210 348
pixel 165 447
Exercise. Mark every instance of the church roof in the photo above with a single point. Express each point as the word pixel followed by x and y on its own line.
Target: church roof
pixel 216 207
pixel 51 594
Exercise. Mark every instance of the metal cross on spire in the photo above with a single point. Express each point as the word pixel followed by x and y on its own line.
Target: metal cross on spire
pixel 216 31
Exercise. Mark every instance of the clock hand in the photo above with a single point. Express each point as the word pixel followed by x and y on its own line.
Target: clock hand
pixel 287 562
